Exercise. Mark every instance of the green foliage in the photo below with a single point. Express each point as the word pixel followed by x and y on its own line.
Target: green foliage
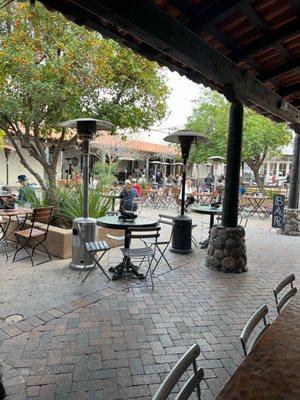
pixel 105 172
pixel 53 70
pixel 33 198
pixel 261 136
pixel 2 135
pixel 70 202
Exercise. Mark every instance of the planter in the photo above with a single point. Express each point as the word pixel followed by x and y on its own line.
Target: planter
pixel 59 240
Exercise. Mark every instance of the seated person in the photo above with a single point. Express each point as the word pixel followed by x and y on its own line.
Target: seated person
pixel 137 187
pixel 23 181
pixel 189 194
pixel 127 195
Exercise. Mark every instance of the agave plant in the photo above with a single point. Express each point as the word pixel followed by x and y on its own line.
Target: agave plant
pixel 71 202
pixel 34 198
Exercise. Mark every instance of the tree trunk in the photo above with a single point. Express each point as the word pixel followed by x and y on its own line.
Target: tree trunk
pixel 257 179
pixel 52 188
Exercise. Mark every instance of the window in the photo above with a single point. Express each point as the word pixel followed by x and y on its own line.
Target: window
pixel 272 169
pixel 282 169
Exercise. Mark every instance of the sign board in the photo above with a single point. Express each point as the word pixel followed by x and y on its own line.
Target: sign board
pixel 278 211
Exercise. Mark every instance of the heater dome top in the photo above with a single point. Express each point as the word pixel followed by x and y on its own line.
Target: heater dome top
pixel 195 137
pixel 100 124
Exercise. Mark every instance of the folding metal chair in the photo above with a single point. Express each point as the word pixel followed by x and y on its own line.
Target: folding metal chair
pixel 150 242
pixel 176 373
pixel 139 254
pixel 35 235
pixel 259 315
pixel 285 282
pixel 93 248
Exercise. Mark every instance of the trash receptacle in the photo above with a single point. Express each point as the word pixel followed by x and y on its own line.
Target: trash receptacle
pixel 80 257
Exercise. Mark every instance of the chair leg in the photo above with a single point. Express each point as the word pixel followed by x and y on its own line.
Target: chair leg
pixel 100 266
pixel 151 272
pixel 162 256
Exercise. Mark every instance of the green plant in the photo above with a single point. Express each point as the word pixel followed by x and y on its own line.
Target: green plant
pixel 105 172
pixel 34 198
pixel 70 202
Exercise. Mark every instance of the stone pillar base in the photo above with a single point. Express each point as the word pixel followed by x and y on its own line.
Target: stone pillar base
pixel 291 222
pixel 227 250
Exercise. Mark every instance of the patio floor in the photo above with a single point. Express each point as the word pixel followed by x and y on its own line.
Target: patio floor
pixel 95 341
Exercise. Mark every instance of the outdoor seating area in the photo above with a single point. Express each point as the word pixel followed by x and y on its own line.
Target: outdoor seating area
pixel 143 332
pixel 149 200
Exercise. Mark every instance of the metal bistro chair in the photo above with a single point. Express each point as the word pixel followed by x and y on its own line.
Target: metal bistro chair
pixel 150 242
pixel 176 373
pixel 285 282
pixel 140 253
pixel 35 235
pixel 93 248
pixel 259 315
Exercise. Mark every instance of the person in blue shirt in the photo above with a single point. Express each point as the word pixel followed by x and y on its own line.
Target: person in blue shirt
pixel 127 196
pixel 23 181
pixel 242 190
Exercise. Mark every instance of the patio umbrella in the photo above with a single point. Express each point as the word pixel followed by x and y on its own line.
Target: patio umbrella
pixel 194 174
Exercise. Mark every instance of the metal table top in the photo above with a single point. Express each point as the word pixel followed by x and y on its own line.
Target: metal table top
pixel 206 209
pixel 113 222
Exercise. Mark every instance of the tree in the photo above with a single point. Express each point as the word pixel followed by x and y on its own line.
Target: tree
pixel 261 136
pixel 53 70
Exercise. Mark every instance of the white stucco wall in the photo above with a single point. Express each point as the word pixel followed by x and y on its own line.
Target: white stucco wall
pixel 16 168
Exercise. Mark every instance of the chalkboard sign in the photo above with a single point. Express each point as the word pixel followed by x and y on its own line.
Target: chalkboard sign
pixel 278 211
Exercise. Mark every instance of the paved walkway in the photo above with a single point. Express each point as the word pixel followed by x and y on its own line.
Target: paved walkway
pixel 95 341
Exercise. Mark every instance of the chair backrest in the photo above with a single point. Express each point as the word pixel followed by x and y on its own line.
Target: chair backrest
pixel 143 233
pixel 176 373
pixel 167 220
pixel 260 315
pixel 285 282
pixel 42 215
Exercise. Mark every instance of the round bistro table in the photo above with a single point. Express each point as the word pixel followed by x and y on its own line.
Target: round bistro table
pixel 113 222
pixel 211 211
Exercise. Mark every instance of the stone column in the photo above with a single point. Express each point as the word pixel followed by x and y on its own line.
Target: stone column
pixel 291 218
pixel 227 250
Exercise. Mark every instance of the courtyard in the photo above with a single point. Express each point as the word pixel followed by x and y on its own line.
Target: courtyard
pixel 97 341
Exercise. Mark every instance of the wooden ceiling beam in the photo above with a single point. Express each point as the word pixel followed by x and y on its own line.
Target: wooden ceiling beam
pixel 292 65
pixel 269 39
pixel 137 17
pixel 289 90
pixel 216 12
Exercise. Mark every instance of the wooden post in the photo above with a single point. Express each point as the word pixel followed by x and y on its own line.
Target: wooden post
pixel 293 201
pixel 234 149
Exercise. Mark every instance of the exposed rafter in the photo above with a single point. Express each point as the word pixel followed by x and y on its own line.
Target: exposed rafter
pixel 269 39
pixel 170 43
pixel 287 91
pixel 273 73
pixel 215 13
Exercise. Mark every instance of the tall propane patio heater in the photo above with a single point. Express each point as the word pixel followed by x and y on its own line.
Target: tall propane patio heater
pixel 86 130
pixel 7 150
pixel 182 234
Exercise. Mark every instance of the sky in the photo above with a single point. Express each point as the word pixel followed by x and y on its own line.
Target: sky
pixel 180 107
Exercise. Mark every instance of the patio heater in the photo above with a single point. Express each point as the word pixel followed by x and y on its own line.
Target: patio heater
pixel 182 234
pixel 86 130
pixel 7 151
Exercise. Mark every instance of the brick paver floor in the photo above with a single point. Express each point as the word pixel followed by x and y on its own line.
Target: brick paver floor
pixel 100 342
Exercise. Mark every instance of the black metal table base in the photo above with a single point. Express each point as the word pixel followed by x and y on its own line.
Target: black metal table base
pixel 119 271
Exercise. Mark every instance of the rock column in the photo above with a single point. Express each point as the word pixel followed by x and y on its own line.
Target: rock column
pixel 227 249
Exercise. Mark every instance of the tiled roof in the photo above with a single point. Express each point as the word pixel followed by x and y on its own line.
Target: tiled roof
pixel 134 145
